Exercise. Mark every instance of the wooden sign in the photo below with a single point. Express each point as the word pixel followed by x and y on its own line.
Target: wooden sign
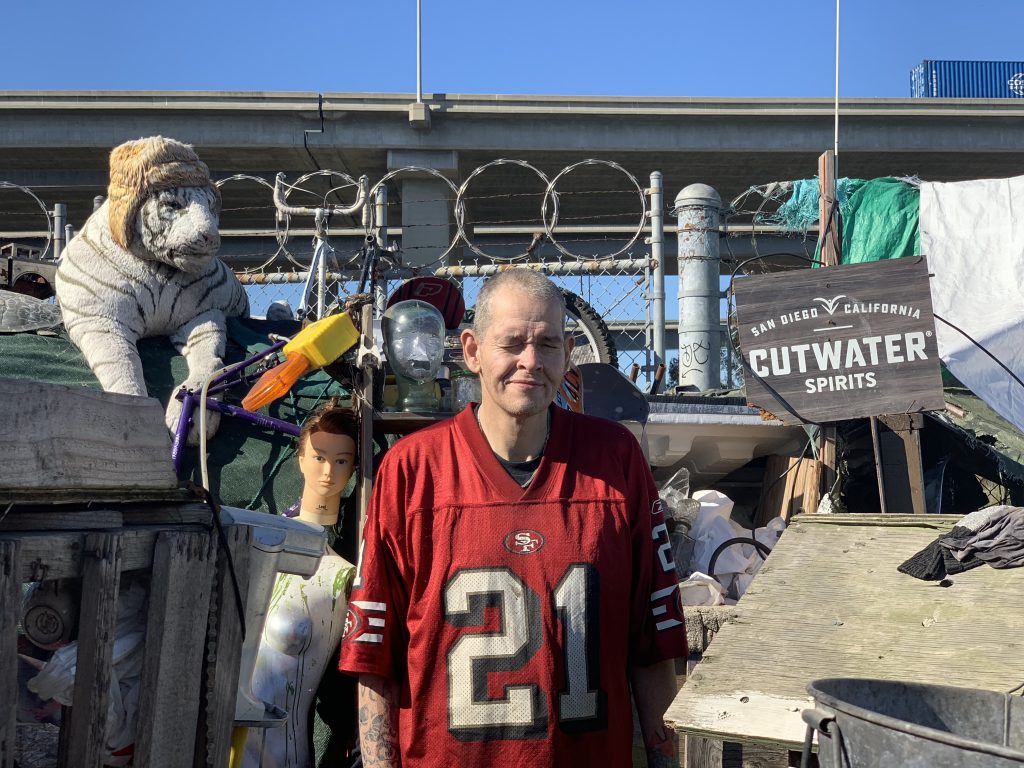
pixel 840 342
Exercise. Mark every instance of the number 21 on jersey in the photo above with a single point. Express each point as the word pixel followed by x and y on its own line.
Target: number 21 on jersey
pixel 521 713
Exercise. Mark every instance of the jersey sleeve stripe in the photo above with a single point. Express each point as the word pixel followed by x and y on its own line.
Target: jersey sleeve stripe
pixel 368 606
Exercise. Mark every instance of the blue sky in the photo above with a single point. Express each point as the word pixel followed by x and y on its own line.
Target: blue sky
pixel 639 48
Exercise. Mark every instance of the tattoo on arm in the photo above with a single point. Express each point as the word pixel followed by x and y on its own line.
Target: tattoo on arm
pixel 378 722
pixel 663 750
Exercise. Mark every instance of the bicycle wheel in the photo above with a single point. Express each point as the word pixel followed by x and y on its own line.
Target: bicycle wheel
pixel 592 340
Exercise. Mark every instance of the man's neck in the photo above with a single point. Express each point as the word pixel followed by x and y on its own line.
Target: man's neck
pixel 511 438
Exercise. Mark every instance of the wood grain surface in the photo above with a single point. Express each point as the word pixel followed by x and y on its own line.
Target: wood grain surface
pixel 778 309
pixel 58 437
pixel 829 602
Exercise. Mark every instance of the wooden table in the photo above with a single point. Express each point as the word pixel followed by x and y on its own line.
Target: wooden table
pixel 829 602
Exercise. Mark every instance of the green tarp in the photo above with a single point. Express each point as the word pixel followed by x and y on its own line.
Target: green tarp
pixel 881 222
pixel 249 467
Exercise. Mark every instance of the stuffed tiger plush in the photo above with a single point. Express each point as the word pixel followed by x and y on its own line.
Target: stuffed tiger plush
pixel 145 265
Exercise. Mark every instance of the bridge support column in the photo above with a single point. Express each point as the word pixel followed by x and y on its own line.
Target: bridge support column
pixel 427 204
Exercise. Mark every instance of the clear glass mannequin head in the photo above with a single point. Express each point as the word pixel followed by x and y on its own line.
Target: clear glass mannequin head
pixel 414 343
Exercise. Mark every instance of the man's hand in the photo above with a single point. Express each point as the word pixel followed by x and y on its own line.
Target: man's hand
pixel 378 722
pixel 664 751
pixel 654 687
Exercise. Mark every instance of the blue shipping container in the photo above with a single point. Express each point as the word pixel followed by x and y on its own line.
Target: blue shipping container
pixel 967 79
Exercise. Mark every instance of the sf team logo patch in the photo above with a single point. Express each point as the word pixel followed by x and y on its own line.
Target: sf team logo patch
pixel 352 623
pixel 524 542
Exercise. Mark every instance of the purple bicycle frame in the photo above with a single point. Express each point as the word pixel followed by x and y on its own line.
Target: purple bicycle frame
pixel 189 401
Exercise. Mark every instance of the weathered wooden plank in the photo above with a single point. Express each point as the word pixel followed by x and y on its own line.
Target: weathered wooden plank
pixel 699 752
pixel 790 488
pixel 902 469
pixel 179 604
pixel 59 555
pixel 57 520
pixel 101 575
pixel 194 513
pixel 10 612
pixel 830 600
pixel 81 438
pixel 223 649
pixel 47 496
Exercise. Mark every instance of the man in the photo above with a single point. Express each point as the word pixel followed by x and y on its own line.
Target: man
pixel 516 577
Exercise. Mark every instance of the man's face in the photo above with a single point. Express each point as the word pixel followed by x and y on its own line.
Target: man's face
pixel 523 354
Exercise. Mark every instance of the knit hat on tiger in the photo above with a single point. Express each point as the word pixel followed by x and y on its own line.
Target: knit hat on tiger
pixel 143 167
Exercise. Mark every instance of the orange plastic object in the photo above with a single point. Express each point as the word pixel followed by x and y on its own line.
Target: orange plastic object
pixel 316 345
pixel 276 382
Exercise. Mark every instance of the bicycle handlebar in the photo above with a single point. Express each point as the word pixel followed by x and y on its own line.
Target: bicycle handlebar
pixel 296 210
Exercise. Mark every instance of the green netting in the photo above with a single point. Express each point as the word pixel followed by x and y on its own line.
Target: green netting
pixel 800 211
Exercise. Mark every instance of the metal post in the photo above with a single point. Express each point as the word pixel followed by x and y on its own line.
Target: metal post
pixel 419 54
pixel 69 232
pixel 657 241
pixel 60 218
pixel 320 255
pixel 380 212
pixel 97 202
pixel 698 207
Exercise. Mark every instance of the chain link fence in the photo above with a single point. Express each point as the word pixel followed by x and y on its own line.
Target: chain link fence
pixel 584 225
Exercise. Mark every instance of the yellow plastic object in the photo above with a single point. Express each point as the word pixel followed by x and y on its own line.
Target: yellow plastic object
pixel 324 341
pixel 238 736
pixel 316 345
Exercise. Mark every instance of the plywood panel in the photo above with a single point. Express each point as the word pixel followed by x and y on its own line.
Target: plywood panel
pixel 829 602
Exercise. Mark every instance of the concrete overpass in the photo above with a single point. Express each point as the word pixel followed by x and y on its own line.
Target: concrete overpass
pixel 57 142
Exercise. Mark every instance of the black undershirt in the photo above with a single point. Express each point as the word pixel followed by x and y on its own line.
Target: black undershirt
pixel 520 471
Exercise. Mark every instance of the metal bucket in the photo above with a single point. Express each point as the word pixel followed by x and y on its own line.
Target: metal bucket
pixel 887 724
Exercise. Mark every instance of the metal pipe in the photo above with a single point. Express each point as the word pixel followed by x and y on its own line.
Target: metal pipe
pixel 836 143
pixel 60 218
pixel 634 266
pixel 380 213
pixel 419 53
pixel 657 241
pixel 631 266
pixel 698 207
pixel 69 232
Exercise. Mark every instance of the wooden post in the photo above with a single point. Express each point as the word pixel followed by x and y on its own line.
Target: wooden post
pixel 900 460
pixel 830 236
pixel 223 650
pixel 830 227
pixel 10 612
pixel 179 602
pixel 101 576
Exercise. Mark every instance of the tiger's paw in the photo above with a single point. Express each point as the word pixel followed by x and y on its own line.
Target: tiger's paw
pixel 172 416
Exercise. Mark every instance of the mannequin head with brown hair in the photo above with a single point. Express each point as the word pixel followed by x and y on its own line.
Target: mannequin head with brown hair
pixel 327 458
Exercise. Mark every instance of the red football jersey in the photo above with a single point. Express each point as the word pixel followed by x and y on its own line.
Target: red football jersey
pixel 509 615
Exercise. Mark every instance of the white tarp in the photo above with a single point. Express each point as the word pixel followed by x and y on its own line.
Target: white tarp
pixel 973 235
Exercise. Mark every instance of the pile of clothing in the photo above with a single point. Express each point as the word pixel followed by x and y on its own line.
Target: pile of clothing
pixel 994 535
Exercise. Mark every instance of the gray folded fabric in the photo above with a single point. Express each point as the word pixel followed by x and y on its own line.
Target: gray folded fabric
pixel 996 538
pixel 994 535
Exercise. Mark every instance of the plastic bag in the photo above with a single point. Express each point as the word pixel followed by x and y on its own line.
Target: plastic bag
pixel 56 680
pixel 701 589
